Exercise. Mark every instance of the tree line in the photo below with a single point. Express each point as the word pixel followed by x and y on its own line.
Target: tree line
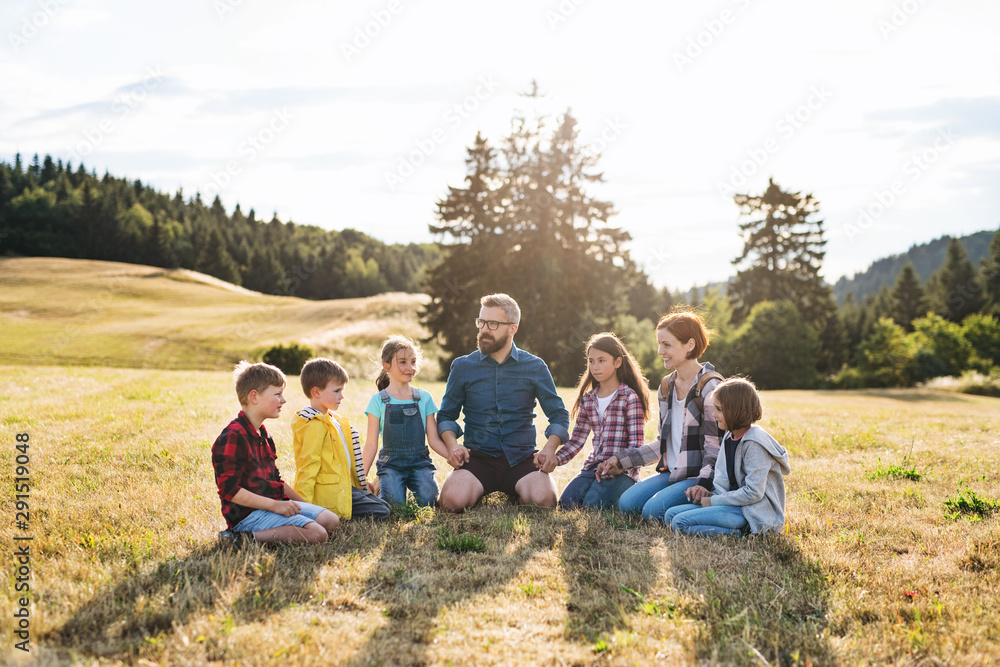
pixel 55 210
pixel 524 222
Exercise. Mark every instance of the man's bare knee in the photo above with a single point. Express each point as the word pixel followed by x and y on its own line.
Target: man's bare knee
pixel 451 501
pixel 536 489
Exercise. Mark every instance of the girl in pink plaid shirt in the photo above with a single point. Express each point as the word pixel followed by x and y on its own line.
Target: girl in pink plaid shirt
pixel 612 401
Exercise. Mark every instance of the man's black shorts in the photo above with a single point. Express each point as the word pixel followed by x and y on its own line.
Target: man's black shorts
pixel 495 474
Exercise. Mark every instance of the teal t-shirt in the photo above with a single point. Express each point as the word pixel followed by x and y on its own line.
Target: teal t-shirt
pixel 376 407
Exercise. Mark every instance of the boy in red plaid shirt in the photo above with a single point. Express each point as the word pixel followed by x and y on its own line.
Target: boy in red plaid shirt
pixel 255 500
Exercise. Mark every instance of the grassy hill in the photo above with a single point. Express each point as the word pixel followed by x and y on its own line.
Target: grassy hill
pixel 89 313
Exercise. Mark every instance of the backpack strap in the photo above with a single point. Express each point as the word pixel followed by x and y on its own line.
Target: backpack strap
pixel 665 386
pixel 702 381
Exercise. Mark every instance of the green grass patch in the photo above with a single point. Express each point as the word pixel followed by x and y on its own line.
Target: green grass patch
pixel 460 543
pixel 895 471
pixel 410 511
pixel 969 504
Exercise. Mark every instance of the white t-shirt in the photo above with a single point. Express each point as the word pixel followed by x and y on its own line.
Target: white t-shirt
pixel 603 403
pixel 676 431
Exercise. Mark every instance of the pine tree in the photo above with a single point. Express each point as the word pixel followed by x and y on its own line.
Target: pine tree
pixel 852 318
pixel 878 307
pixel 990 273
pixel 6 186
pixel 908 298
pixel 216 261
pixel 782 254
pixel 958 287
pixel 525 224
pixel 48 172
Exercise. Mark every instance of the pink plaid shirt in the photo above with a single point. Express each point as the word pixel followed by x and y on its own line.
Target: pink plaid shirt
pixel 622 427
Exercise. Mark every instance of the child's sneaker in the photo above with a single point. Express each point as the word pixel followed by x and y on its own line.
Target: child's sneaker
pixel 235 538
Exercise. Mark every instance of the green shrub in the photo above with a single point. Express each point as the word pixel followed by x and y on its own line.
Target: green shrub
pixel 848 378
pixel 943 349
pixel 775 347
pixel 289 358
pixel 983 333
pixel 886 356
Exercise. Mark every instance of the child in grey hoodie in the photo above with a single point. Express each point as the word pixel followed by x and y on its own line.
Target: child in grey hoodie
pixel 749 486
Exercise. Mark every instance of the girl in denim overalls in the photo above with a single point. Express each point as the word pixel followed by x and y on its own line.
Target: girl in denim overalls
pixel 404 415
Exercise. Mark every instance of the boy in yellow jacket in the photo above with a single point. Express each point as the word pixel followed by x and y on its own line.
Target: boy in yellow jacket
pixel 329 468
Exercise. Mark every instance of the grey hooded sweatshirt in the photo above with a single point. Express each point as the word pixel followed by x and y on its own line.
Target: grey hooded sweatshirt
pixel 760 464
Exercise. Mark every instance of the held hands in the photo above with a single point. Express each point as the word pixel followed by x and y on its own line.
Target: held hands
pixel 546 460
pixel 609 468
pixel 697 494
pixel 374 486
pixel 458 457
pixel 286 508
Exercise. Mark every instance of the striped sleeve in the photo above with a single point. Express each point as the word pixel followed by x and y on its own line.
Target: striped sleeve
pixel 359 465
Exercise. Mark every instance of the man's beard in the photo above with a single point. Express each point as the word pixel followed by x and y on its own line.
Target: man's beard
pixel 494 345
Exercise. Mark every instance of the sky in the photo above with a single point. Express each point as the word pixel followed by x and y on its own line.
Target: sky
pixel 359 114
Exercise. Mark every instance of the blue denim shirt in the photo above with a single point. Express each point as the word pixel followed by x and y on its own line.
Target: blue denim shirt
pixel 499 402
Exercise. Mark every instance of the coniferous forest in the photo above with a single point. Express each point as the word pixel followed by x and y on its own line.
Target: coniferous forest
pixel 56 210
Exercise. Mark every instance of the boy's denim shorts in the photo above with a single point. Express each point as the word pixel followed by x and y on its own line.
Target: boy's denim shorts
pixel 264 519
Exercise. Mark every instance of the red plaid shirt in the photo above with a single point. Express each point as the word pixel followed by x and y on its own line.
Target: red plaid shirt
pixel 622 427
pixel 245 459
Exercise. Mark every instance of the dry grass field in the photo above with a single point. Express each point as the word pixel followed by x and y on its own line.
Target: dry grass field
pixel 891 553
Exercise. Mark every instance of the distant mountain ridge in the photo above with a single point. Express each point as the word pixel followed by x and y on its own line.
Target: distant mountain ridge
pixel 925 257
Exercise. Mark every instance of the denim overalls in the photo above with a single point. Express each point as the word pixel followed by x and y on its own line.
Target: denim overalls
pixel 404 461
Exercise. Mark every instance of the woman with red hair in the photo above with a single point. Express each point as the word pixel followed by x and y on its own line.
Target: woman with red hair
pixel 688 444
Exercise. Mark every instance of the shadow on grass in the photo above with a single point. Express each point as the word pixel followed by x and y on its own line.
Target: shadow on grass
pixel 608 568
pixel 251 581
pixel 905 395
pixel 756 599
pixel 416 579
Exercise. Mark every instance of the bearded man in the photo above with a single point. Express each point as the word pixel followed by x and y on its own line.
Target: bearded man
pixel 497 386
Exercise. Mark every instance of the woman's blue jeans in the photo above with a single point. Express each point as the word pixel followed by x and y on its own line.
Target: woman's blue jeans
pixel 654 496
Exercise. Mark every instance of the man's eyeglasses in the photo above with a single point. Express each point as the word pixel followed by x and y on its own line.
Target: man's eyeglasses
pixel 492 325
